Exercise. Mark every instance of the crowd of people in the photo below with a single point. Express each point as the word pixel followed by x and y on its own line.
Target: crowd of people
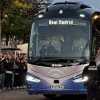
pixel 13 70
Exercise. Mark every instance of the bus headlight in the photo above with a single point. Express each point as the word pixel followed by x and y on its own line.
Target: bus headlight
pixel 32 79
pixel 82 79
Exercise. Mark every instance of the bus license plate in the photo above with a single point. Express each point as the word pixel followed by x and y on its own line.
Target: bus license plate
pixel 57 86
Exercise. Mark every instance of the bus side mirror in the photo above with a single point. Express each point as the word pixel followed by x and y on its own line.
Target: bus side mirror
pixel 96 21
pixel 90 68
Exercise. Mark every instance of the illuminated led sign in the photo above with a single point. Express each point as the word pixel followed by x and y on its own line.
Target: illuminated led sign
pixel 66 22
pixel 61 22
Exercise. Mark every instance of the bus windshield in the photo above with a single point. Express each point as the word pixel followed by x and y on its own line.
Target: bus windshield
pixel 64 38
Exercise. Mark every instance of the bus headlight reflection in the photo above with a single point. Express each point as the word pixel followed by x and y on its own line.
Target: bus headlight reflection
pixel 82 79
pixel 32 79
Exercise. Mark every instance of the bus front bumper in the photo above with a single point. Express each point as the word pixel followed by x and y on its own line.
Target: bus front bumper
pixel 43 88
pixel 70 86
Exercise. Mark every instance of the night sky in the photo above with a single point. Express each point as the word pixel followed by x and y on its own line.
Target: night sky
pixel 93 3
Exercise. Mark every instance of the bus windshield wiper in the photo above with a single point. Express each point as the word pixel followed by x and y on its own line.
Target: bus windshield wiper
pixel 50 60
pixel 67 60
pixel 82 60
pixel 72 60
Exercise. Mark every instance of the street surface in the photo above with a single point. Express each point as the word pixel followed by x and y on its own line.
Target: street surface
pixel 22 95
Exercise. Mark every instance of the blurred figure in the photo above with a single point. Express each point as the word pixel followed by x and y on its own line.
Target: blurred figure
pixel 20 70
pixel 97 59
pixel 17 73
pixel 51 50
pixel 9 75
pixel 12 70
pixel 43 51
pixel 1 72
pixel 23 70
pixel 94 82
pixel 48 50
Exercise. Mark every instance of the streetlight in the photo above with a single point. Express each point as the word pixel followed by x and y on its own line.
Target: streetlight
pixel 5 16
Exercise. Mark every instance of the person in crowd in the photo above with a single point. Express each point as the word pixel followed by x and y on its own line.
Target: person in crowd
pixel 13 69
pixel 16 73
pixel 9 76
pixel 93 85
pixel 23 70
pixel 1 72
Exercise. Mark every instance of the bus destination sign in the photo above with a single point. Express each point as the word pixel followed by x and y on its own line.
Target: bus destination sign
pixel 67 22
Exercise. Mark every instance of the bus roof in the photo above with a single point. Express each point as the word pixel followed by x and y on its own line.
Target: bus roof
pixel 70 10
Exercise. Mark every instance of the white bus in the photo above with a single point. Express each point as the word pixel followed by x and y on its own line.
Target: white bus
pixel 62 44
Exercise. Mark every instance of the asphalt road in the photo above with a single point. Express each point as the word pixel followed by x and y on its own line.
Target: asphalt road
pixel 22 95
